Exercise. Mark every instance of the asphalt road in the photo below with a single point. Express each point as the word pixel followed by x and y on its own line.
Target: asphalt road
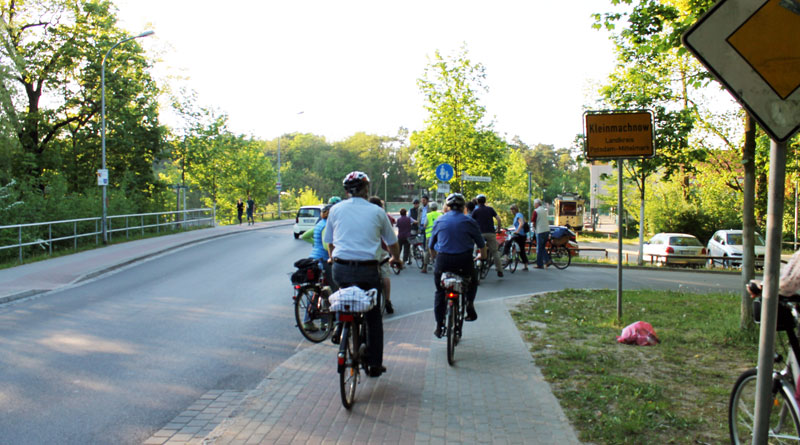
pixel 114 359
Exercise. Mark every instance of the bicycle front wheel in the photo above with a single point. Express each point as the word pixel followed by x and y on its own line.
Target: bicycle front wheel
pixel 419 255
pixel 784 425
pixel 560 256
pixel 513 257
pixel 311 313
pixel 348 367
pixel 484 270
pixel 451 333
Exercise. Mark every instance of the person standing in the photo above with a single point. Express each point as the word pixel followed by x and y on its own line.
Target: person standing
pixel 239 209
pixel 431 216
pixel 519 236
pixel 413 213
pixel 354 232
pixel 486 216
pixel 251 207
pixel 453 238
pixel 403 234
pixel 542 228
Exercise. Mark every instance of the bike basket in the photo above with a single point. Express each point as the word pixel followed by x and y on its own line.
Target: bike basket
pixel 353 299
pixel 785 318
pixel 453 282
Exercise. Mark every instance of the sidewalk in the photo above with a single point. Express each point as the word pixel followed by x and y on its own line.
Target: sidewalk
pixel 494 394
pixel 43 276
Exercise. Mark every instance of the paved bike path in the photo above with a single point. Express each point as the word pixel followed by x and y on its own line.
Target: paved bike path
pixel 494 394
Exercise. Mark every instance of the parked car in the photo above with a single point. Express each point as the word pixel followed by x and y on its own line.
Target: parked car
pixel 306 219
pixel 665 248
pixel 728 243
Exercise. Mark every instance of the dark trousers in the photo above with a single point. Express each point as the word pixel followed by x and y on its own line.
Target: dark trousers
pixel 461 264
pixel 542 257
pixel 405 249
pixel 520 240
pixel 366 277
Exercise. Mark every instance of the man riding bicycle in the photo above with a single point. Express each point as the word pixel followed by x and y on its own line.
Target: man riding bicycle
pixel 354 232
pixel 451 244
pixel 486 216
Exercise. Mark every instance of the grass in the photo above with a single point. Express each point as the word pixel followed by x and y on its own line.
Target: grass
pixel 673 393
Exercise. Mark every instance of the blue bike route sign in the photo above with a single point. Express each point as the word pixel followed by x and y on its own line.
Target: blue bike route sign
pixel 444 172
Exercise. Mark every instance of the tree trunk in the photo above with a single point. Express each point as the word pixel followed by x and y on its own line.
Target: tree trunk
pixel 748 219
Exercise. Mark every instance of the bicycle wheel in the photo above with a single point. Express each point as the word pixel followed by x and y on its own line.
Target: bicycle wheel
pixel 484 270
pixel 784 425
pixel 560 256
pixel 319 323
pixel 451 332
pixel 513 257
pixel 462 308
pixel 418 255
pixel 348 366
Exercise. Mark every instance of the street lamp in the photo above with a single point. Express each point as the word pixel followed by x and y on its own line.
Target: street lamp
pixel 385 186
pixel 279 185
pixel 103 126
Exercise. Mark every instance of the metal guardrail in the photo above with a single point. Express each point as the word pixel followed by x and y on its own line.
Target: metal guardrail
pixel 157 220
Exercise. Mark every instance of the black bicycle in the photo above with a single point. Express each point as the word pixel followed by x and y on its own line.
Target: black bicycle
pixel 455 287
pixel 353 345
pixel 418 250
pixel 311 307
pixel 559 253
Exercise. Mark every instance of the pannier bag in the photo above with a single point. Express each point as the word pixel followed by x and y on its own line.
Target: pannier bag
pixel 307 271
pixel 353 299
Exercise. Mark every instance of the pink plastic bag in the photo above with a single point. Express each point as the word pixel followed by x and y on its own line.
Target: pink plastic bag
pixel 640 333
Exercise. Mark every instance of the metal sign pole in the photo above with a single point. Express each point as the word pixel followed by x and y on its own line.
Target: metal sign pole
pixel 769 305
pixel 619 239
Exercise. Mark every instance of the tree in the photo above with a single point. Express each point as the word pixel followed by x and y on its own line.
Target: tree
pixel 455 131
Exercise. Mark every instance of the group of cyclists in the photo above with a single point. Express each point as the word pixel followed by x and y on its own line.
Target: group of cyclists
pixel 354 235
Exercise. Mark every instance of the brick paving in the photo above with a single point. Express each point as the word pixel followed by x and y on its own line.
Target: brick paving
pixel 494 394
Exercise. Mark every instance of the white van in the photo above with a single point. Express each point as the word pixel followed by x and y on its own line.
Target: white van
pixel 306 219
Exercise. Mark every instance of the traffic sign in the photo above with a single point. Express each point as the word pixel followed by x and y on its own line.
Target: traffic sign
pixel 751 47
pixel 102 176
pixel 618 134
pixel 278 186
pixel 477 178
pixel 443 187
pixel 444 172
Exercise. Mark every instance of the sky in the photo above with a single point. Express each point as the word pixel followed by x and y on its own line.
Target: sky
pixel 334 68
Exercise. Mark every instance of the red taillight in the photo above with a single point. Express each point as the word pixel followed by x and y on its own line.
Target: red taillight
pixel 341 360
pixel 296 287
pixel 452 295
pixel 344 318
pixel 670 250
pixel 703 252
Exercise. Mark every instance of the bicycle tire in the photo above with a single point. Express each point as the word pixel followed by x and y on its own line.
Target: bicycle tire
pixel 305 302
pixel 784 424
pixel 485 266
pixel 478 265
pixel 560 256
pixel 462 308
pixel 419 255
pixel 451 334
pixel 513 257
pixel 348 374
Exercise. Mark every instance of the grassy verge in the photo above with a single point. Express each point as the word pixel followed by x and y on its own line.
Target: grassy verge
pixel 673 393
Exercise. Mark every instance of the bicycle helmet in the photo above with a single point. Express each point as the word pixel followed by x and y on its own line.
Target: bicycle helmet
pixel 334 200
pixel 355 181
pixel 481 199
pixel 455 201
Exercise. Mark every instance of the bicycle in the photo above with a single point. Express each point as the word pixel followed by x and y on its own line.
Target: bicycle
pixel 513 255
pixel 559 253
pixel 310 300
pixel 455 287
pixel 351 361
pixel 418 251
pixel 784 417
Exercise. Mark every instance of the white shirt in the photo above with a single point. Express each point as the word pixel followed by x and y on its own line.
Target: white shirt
pixel 355 228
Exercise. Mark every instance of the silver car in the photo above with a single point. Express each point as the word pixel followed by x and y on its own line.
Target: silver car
pixel 674 248
pixel 728 244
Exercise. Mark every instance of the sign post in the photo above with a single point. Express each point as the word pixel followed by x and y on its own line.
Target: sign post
pixel 619 135
pixel 750 46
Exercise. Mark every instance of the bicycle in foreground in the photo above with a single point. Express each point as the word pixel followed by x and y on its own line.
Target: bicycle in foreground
pixel 311 306
pixel 455 287
pixel 784 416
pixel 352 304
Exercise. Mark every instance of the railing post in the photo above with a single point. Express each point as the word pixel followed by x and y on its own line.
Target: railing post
pixel 158 228
pixel 142 226
pixel 127 226
pixel 20 244
pixel 75 235
pixel 50 238
pixel 95 232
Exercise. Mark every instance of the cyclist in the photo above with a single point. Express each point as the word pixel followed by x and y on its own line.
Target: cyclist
pixel 452 241
pixel 383 252
pixel 431 215
pixel 542 228
pixel 319 253
pixel 519 236
pixel 486 216
pixel 354 232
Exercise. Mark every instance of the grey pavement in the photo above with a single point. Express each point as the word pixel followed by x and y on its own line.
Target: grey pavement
pixel 493 394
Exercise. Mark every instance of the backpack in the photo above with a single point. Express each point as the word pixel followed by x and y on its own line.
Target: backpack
pixel 526 227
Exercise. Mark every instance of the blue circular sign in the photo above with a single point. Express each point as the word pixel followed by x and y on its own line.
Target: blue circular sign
pixel 444 172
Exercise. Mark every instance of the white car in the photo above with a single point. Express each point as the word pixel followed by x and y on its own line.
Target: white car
pixel 671 248
pixel 306 219
pixel 728 243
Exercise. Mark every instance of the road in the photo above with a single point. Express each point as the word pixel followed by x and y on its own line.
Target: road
pixel 114 359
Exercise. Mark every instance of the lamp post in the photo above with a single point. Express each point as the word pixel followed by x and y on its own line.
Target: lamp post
pixel 385 188
pixel 279 186
pixel 103 126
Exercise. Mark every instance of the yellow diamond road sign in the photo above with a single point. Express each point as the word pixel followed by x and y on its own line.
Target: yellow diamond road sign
pixel 753 48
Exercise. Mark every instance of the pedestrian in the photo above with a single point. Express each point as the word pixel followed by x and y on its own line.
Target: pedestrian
pixel 403 234
pixel 251 207
pixel 354 232
pixel 431 215
pixel 519 236
pixel 542 228
pixel 239 210
pixel 486 217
